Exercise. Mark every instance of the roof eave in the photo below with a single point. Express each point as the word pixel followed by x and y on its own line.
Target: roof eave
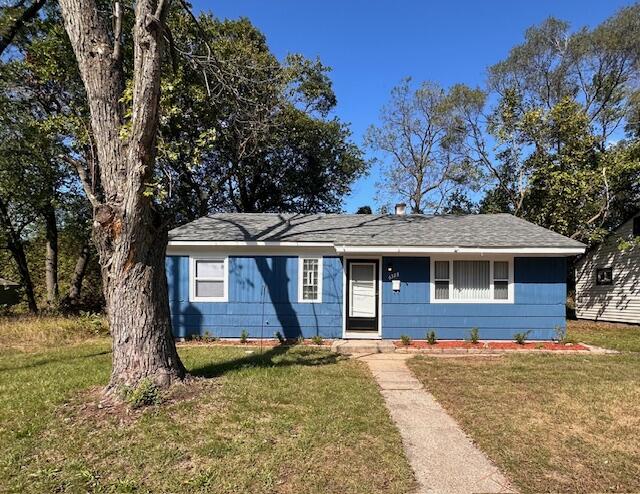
pixel 383 249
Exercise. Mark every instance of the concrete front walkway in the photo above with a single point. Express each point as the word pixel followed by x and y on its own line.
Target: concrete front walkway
pixel 442 456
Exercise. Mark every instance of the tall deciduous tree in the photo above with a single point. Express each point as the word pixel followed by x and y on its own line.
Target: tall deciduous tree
pixel 546 146
pixel 264 142
pixel 129 233
pixel 421 146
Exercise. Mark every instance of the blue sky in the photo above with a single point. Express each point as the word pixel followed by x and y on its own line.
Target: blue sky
pixel 372 44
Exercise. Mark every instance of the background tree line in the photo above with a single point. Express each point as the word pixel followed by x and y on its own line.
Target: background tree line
pixel 552 137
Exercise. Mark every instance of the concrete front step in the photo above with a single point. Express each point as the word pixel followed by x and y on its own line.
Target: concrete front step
pixel 350 347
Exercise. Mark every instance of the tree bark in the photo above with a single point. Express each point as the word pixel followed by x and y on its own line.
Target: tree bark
pixel 51 257
pixel 75 285
pixel 130 236
pixel 15 245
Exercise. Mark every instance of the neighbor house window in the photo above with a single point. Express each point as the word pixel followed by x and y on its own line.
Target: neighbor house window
pixel 604 276
pixel 310 279
pixel 209 279
pixel 473 280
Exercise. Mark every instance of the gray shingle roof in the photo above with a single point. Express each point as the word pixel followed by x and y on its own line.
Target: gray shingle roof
pixel 478 230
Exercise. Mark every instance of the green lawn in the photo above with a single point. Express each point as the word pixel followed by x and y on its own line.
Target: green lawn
pixel 621 337
pixel 553 423
pixel 291 420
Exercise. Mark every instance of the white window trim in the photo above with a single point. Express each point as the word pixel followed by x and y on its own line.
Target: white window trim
pixel 301 260
pixel 192 279
pixel 491 300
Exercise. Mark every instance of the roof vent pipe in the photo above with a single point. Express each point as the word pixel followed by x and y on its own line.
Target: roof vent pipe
pixel 401 208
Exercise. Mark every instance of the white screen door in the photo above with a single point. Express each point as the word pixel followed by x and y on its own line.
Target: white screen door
pixel 362 290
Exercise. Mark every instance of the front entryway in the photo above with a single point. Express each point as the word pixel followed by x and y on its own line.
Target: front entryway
pixel 362 296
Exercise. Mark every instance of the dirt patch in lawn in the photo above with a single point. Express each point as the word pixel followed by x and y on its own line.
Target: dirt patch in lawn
pixel 90 407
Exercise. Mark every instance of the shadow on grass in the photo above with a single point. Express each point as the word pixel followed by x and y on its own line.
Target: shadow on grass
pixel 279 356
pixel 54 360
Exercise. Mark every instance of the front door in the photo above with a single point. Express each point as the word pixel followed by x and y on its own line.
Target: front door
pixel 362 295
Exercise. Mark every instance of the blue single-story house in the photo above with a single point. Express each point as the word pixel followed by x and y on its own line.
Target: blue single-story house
pixel 367 276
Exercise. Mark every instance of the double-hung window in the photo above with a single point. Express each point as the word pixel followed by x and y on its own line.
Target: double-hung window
pixel 310 279
pixel 473 281
pixel 209 279
pixel 500 280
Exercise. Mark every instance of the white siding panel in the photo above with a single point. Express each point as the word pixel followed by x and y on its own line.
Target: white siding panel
pixel 619 301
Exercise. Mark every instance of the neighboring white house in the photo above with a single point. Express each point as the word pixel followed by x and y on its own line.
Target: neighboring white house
pixel 608 278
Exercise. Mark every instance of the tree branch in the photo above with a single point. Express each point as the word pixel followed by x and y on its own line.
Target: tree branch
pixel 27 16
pixel 84 179
pixel 117 37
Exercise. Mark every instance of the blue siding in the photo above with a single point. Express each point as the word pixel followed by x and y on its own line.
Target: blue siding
pixel 248 300
pixel 539 295
pixel 539 291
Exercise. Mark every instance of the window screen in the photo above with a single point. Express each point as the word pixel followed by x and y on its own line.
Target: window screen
pixel 209 278
pixel 441 280
pixel 500 280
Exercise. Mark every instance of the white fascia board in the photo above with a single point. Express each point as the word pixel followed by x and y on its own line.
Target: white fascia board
pixel 184 245
pixel 564 251
pixel 243 243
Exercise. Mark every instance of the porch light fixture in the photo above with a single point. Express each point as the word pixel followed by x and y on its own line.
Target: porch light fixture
pixel 390 267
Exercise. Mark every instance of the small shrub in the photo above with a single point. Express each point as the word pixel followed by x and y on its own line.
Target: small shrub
pixel 561 334
pixel 521 338
pixel 431 337
pixel 300 340
pixel 96 322
pixel 540 346
pixel 405 339
pixel 317 340
pixel 146 393
pixel 562 337
pixel 244 336
pixel 280 338
pixel 474 335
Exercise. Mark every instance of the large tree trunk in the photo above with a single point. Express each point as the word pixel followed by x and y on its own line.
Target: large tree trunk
pixel 129 234
pixel 51 257
pixel 16 247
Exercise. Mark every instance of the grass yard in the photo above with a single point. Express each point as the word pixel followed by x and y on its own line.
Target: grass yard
pixel 553 423
pixel 616 336
pixel 290 420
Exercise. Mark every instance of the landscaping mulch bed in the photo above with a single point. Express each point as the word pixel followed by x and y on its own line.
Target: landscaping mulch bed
pixel 456 345
pixel 264 343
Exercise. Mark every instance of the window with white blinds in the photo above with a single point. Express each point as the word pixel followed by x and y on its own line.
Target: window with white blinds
pixel 208 280
pixel 310 279
pixel 474 280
